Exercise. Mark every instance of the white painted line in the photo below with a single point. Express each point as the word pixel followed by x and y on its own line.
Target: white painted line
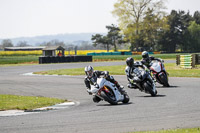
pixel 14 113
pixel 38 110
pixel 31 74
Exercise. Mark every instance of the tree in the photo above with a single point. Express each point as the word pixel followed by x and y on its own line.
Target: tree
pixel 114 37
pixel 99 39
pixel 194 30
pixel 22 44
pixel 6 43
pixel 196 17
pixel 177 36
pixel 131 13
pixel 152 25
pixel 55 43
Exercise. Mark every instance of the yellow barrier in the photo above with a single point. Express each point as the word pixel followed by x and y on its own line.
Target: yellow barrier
pixel 186 61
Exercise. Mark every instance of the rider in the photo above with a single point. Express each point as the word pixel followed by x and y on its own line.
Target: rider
pixel 91 78
pixel 146 59
pixel 129 72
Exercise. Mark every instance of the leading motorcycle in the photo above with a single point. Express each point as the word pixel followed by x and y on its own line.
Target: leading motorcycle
pixel 108 91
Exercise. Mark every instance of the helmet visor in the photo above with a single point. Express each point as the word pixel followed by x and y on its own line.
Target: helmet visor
pixel 89 73
pixel 145 55
pixel 130 63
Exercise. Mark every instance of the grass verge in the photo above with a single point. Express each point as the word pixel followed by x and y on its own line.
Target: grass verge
pixel 172 69
pixel 189 130
pixel 136 57
pixel 28 59
pixel 9 102
pixel 34 59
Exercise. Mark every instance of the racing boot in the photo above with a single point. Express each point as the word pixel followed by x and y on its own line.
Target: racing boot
pixel 130 85
pixel 120 88
pixel 96 99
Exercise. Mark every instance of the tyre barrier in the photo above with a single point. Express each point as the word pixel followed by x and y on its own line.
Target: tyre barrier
pixel 186 61
pixel 64 59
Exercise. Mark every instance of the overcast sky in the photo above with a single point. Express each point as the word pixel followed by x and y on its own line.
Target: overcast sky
pixel 25 18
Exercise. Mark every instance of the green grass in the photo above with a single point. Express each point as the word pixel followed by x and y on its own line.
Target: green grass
pixel 9 102
pixel 34 59
pixel 189 130
pixel 172 69
pixel 19 59
pixel 136 57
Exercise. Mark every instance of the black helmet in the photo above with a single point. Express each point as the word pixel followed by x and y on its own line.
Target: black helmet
pixel 129 61
pixel 89 71
pixel 145 55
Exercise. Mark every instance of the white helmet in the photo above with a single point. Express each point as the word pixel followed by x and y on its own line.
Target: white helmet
pixel 89 71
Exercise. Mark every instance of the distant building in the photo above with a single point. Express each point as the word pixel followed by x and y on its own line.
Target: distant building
pixel 23 48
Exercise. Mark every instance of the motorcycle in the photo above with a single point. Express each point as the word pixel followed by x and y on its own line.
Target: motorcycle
pixel 145 82
pixel 108 91
pixel 159 73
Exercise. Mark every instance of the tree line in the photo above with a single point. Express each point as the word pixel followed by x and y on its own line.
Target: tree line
pixel 143 25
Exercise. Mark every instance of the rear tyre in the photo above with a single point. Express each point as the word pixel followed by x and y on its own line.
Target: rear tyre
pixel 107 97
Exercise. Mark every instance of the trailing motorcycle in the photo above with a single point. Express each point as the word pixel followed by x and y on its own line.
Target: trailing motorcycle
pixel 108 91
pixel 144 81
pixel 159 73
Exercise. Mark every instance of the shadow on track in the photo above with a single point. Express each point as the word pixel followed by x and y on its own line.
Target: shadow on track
pixel 171 86
pixel 119 104
pixel 153 97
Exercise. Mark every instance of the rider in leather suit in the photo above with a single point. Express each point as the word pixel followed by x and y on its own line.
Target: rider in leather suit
pixel 129 72
pixel 146 59
pixel 91 78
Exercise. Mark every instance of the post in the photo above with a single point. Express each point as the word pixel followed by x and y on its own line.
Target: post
pixel 193 60
pixel 177 60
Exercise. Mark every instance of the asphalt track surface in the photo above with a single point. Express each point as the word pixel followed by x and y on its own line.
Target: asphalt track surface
pixel 175 107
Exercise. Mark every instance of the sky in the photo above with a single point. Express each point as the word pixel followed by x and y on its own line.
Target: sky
pixel 28 18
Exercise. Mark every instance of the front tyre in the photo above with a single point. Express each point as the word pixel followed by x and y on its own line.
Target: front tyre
pixel 164 80
pixel 126 98
pixel 150 89
pixel 107 97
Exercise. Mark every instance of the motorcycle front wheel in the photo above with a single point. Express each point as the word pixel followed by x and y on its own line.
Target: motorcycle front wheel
pixel 164 80
pixel 126 98
pixel 150 89
pixel 109 97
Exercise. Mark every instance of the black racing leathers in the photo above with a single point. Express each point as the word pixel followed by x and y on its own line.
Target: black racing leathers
pixel 147 61
pixel 129 72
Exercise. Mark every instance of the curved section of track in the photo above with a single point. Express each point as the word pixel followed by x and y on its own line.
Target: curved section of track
pixel 175 107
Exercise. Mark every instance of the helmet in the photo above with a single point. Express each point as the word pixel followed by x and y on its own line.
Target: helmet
pixel 145 55
pixel 89 71
pixel 129 61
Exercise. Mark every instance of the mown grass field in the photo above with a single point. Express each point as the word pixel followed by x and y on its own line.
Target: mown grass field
pixel 9 102
pixel 172 69
pixel 34 59
pixel 189 130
